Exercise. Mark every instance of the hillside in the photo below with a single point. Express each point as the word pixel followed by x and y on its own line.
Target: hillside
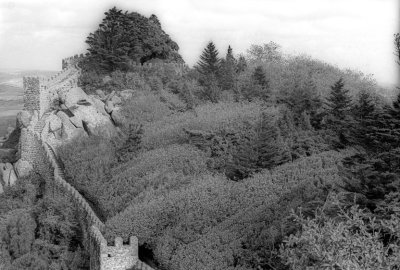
pixel 130 159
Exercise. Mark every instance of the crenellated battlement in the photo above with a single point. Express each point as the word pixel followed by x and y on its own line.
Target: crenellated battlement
pixel 119 256
pixel 39 93
pixel 71 61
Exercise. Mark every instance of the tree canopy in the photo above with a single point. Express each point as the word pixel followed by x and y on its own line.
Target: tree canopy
pixel 123 37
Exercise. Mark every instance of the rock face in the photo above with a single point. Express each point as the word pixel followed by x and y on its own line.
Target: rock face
pixel 22 168
pixel 55 123
pixel 71 96
pixel 23 118
pixel 8 174
pixel 118 117
pixel 101 94
pixel 88 113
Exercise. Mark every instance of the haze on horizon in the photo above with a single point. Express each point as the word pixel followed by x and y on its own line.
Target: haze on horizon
pixel 356 34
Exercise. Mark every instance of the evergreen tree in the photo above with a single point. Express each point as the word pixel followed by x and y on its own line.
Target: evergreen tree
pixel 123 37
pixel 259 77
pixel 211 90
pixel 271 148
pixel 132 144
pixel 365 106
pixel 108 45
pixel 209 62
pixel 305 100
pixel 228 71
pixel 245 158
pixel 339 118
pixel 241 65
pixel 339 102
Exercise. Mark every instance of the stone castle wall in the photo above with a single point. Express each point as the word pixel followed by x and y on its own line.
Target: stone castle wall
pixel 38 97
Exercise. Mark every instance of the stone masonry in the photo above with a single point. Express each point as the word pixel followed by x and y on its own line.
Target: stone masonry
pixel 37 151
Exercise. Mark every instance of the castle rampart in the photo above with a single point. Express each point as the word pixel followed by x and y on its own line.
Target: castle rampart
pixel 38 97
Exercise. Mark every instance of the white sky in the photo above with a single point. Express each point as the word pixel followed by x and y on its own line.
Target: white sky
pixel 37 34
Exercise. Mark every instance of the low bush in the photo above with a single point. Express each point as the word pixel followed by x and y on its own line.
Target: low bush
pixel 208 117
pixel 214 223
pixel 352 240
pixel 165 168
pixel 145 109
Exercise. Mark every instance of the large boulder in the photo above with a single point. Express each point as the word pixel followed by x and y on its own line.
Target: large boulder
pixel 71 96
pixel 55 123
pixel 23 118
pixel 118 118
pixel 93 121
pixel 101 94
pixel 100 106
pixel 8 174
pixel 76 122
pixel 23 168
pixel 68 130
pixel 109 106
pixel 116 100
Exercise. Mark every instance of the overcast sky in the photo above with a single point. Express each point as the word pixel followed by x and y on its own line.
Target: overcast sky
pixel 37 34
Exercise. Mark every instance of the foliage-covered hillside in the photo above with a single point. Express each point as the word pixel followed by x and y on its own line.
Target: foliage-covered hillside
pixel 242 162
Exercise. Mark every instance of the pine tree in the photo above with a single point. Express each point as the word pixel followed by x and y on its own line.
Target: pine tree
pixel 365 106
pixel 244 159
pixel 132 144
pixel 304 99
pixel 260 78
pixel 109 45
pixel 228 71
pixel 339 118
pixel 339 102
pixel 241 65
pixel 209 62
pixel 272 150
pixel 365 116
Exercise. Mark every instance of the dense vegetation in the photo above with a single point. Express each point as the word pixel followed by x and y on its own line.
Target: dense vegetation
pixel 256 161
pixel 38 231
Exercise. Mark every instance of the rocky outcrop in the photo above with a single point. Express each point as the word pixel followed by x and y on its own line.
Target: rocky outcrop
pixel 23 118
pixel 8 174
pixel 88 113
pixel 117 116
pixel 22 168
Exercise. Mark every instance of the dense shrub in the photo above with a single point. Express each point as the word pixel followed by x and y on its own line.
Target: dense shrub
pixel 353 240
pixel 214 223
pixel 38 231
pixel 210 117
pixel 145 108
pixel 87 164
pixel 157 169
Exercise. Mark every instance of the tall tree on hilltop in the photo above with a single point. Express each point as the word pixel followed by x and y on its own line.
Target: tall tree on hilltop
pixel 108 45
pixel 209 62
pixel 228 71
pixel 375 174
pixel 365 116
pixel 339 118
pixel 123 37
pixel 339 102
